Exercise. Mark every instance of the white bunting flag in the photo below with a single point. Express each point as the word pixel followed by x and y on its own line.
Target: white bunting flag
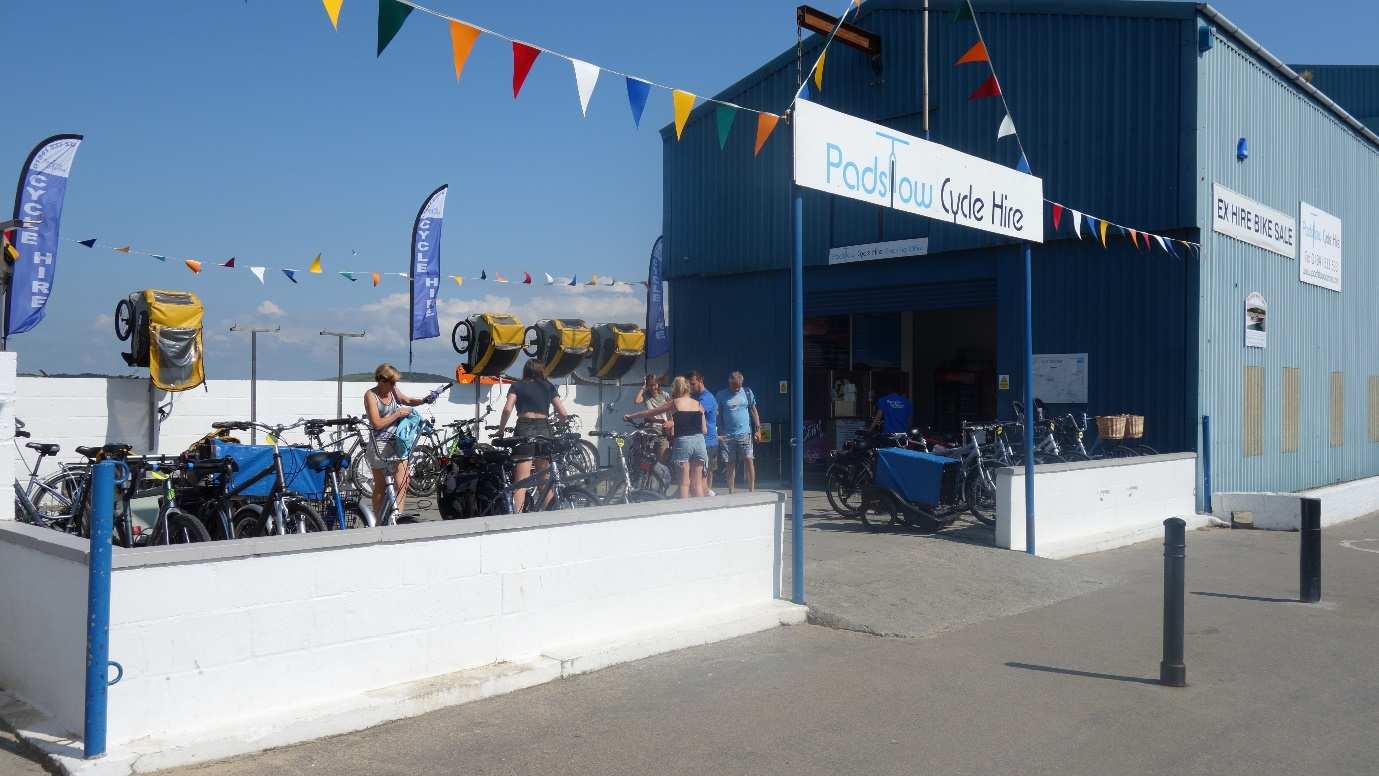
pixel 549 280
pixel 1007 128
pixel 1161 243
pixel 258 272
pixel 586 75
pixel 1077 222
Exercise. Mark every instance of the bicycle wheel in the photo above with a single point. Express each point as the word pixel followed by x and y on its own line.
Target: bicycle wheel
pixel 636 496
pixel 576 498
pixel 177 527
pixel 885 516
pixel 843 483
pixel 249 522
pixel 303 519
pixel 581 458
pixel 979 492
pixel 360 474
pixel 1145 450
pixel 220 521
pixel 425 466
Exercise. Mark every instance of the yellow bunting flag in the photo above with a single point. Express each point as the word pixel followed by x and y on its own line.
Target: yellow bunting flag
pixel 684 103
pixel 333 11
pixel 315 265
pixel 1103 234
pixel 375 280
pixel 121 249
pixel 459 281
pixel 819 71
pixel 766 123
pixel 462 38
pixel 194 266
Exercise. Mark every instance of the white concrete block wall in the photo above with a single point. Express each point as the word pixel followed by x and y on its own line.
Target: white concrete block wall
pixel 1283 511
pixel 1091 506
pixel 8 387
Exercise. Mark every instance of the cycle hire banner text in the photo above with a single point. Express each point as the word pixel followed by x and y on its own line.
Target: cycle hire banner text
pixel 42 188
pixel 658 339
pixel 857 159
pixel 426 265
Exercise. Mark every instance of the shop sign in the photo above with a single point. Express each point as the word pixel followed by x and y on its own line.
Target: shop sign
pixel 1319 249
pixel 1256 320
pixel 850 157
pixel 894 249
pixel 1236 215
pixel 1061 378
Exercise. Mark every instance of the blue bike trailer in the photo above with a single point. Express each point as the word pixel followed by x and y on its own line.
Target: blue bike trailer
pixel 919 478
pixel 301 479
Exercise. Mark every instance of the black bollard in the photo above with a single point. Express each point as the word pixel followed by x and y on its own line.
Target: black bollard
pixel 1310 555
pixel 1172 672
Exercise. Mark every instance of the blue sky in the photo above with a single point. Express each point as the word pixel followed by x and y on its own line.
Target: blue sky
pixel 222 127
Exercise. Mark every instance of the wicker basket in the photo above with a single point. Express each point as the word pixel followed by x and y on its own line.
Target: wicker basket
pixel 1134 426
pixel 1110 426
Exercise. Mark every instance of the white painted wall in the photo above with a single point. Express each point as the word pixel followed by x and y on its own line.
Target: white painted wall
pixel 8 386
pixel 1086 507
pixel 1283 512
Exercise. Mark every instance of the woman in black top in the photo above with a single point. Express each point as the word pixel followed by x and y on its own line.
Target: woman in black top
pixel 532 398
pixel 687 453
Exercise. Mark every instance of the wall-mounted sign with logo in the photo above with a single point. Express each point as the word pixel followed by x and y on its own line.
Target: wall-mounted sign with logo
pixel 1319 247
pixel 857 159
pixel 1256 320
pixel 1238 216
pixel 894 249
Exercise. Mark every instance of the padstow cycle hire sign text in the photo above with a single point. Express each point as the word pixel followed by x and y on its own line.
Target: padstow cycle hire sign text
pixel 857 159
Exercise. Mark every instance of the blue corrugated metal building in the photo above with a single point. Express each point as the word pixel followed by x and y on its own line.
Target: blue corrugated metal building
pixel 1128 111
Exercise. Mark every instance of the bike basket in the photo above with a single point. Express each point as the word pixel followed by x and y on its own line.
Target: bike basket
pixel 252 459
pixel 1134 426
pixel 1110 426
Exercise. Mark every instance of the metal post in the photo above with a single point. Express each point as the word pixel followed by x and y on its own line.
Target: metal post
pixel 254 332
pixel 1310 557
pixel 1029 403
pixel 926 75
pixel 797 406
pixel 340 366
pixel 98 609
pixel 1206 463
pixel 1172 672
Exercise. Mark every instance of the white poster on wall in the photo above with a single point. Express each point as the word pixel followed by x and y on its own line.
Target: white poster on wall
pixel 1060 378
pixel 1238 216
pixel 1256 321
pixel 857 159
pixel 1319 249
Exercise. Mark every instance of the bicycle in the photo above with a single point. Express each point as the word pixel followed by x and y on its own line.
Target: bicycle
pixel 547 489
pixel 424 460
pixel 175 525
pixel 620 488
pixel 283 510
pixel 853 468
pixel 46 502
pixel 348 439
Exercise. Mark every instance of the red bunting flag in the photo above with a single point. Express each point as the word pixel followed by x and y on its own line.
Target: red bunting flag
pixel 526 278
pixel 975 54
pixel 1057 215
pixel 230 263
pixel 989 88
pixel 522 58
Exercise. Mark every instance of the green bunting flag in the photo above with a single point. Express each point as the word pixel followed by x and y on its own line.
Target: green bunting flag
pixel 348 276
pixel 963 12
pixel 725 124
pixel 391 15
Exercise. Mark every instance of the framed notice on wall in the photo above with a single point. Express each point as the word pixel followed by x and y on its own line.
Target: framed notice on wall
pixel 1319 248
pixel 1256 320
pixel 1061 378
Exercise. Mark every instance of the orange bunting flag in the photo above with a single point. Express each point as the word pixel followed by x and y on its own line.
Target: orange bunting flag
pixel 1135 238
pixel 121 249
pixel 333 11
pixel 684 103
pixel 315 265
pixel 989 88
pixel 975 54
pixel 194 266
pixel 819 71
pixel 523 57
pixel 1103 234
pixel 462 38
pixel 498 278
pixel 766 124
pixel 375 280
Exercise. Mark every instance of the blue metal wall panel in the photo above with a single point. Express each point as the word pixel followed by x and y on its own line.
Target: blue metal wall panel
pixel 1298 151
pixel 1085 81
pixel 1353 87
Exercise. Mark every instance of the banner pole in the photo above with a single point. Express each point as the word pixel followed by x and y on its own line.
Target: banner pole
pixel 1029 403
pixel 797 405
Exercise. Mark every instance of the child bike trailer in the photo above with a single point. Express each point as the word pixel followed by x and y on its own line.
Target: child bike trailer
pixel 617 346
pixel 559 343
pixel 163 329
pixel 490 342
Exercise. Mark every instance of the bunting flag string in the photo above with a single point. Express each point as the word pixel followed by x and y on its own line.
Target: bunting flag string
pixel 1100 229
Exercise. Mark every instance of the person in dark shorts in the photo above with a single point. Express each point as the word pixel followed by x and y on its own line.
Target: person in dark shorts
pixel 531 398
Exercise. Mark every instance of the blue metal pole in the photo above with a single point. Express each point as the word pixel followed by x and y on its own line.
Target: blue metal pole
pixel 1206 462
pixel 1029 404
pixel 98 608
pixel 797 405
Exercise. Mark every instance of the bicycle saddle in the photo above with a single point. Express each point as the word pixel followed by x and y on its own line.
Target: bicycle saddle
pixel 113 449
pixel 508 442
pixel 44 448
pixel 322 460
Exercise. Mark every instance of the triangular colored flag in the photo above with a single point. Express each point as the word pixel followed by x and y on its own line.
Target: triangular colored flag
pixel 1103 234
pixel 989 88
pixel 375 280
pixel 291 274
pixel 684 103
pixel 962 12
pixel 819 70
pixel 228 263
pixel 498 278
pixel 586 76
pixel 1091 225
pixel 526 278
pixel 637 92
pixel 523 56
pixel 975 54
pixel 403 275
pixel 462 38
pixel 158 257
pixel 459 281
pixel 1168 246
pixel 1057 214
pixel 1077 223
pixel 1162 244
pixel 315 267
pixel 349 276
pixel 391 15
pixel 612 282
pixel 766 124
pixel 193 265
pixel 333 11
pixel 1023 164
pixel 593 281
pixel 725 117
pixel 121 249
pixel 258 272
pixel 1135 239
pixel 549 280
pixel 91 243
pixel 483 274
pixel 1007 128
pixel 573 280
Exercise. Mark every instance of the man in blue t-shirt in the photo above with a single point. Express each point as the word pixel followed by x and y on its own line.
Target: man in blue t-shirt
pixel 706 400
pixel 894 413
pixel 740 425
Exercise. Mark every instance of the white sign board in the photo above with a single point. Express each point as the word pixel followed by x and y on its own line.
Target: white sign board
pixel 1256 321
pixel 857 159
pixel 1238 216
pixel 1060 378
pixel 1319 253
pixel 895 249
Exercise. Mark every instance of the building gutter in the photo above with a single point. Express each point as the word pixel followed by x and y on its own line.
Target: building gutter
pixel 1287 72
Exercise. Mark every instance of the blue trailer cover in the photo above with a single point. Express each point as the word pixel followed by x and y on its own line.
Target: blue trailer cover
pixel 252 459
pixel 915 476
